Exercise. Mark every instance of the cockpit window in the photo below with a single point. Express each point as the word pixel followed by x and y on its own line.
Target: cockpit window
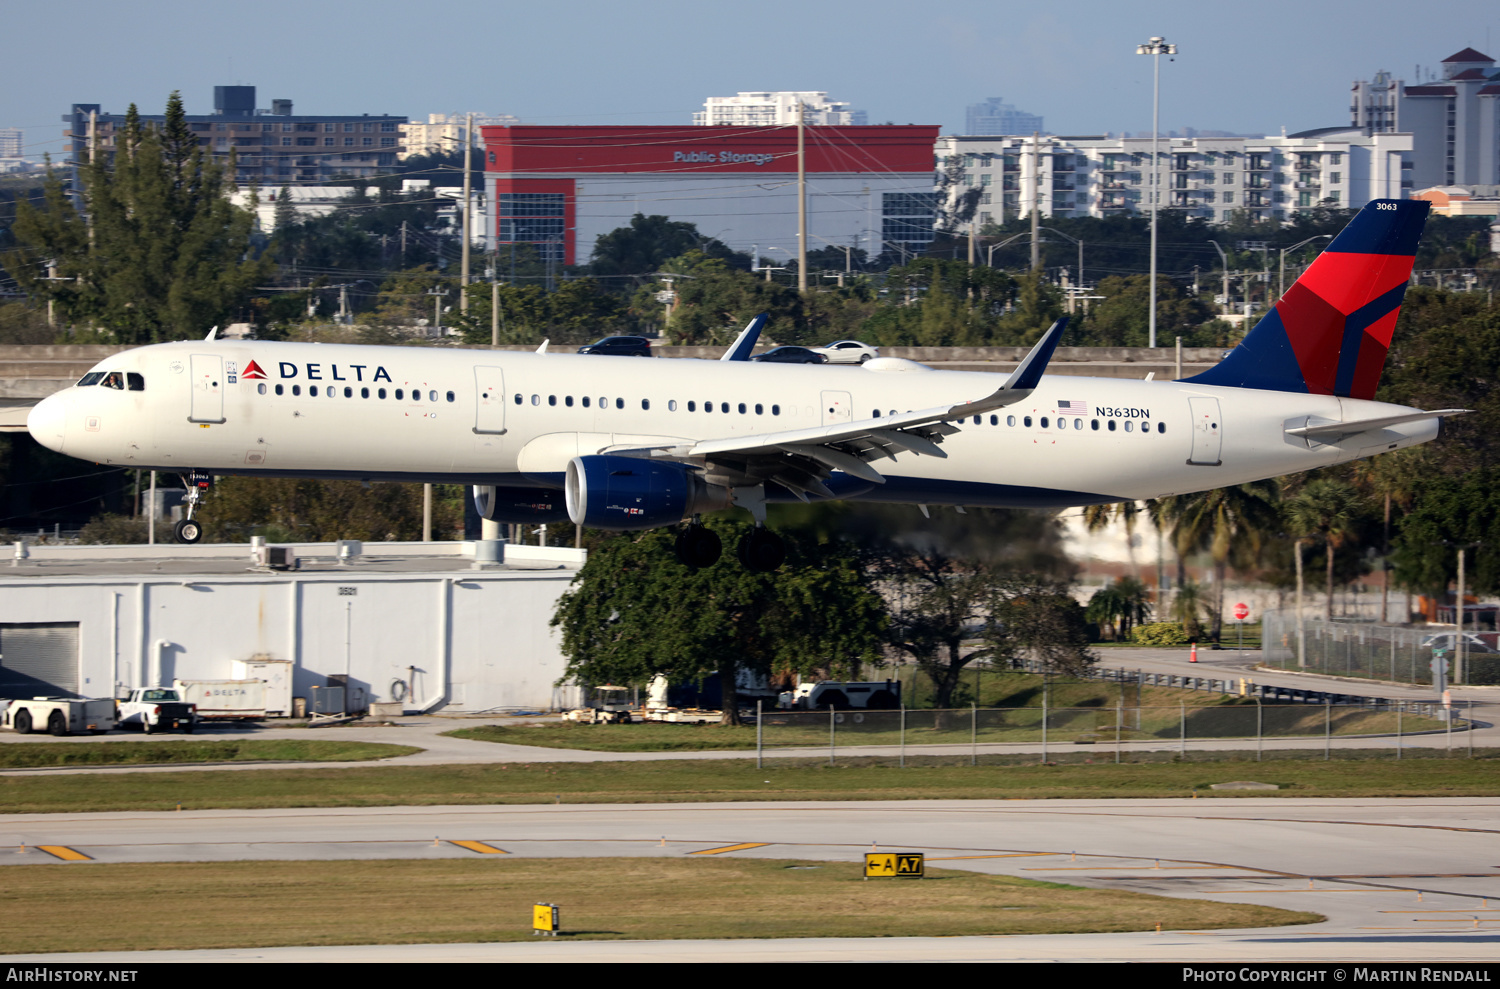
pixel 114 379
pixel 134 381
pixel 92 378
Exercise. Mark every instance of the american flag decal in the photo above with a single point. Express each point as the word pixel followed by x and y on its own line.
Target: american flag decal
pixel 1072 408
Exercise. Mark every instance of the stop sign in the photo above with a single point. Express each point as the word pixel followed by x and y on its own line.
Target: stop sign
pixel 1241 611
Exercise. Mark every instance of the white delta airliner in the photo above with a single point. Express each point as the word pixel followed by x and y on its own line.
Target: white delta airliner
pixel 618 443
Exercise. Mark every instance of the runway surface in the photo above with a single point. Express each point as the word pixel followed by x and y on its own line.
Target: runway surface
pixel 1415 879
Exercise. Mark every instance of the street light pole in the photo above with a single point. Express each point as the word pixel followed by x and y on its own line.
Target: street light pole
pixel 1281 287
pixel 1156 47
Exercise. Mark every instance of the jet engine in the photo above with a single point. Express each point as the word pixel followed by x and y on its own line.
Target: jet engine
pixel 519 505
pixel 608 492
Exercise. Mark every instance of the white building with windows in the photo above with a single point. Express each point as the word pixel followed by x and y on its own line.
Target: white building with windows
pixel 1454 121
pixel 446 132
pixel 776 110
pixel 1209 177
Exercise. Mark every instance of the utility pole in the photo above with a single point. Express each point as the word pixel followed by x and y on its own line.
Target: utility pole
pixel 801 198
pixel 463 275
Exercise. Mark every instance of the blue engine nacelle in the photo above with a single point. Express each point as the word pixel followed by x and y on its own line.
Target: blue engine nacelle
pixel 605 492
pixel 519 505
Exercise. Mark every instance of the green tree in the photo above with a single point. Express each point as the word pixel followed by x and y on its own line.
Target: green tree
pixel 162 254
pixel 323 511
pixel 640 248
pixel 634 612
pixel 1122 318
pixel 1231 524
pixel 1330 510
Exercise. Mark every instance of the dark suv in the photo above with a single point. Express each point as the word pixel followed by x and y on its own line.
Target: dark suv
pixel 619 347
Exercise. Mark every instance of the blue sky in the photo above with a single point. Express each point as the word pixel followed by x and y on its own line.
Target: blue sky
pixel 1247 68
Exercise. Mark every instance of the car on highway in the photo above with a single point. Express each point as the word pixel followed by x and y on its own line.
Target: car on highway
pixel 848 352
pixel 791 355
pixel 619 347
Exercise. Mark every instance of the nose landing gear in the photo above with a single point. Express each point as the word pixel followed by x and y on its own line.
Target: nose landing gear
pixel 188 530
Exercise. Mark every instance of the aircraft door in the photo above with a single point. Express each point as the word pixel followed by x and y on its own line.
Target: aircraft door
pixel 1208 439
pixel 837 408
pixel 208 388
pixel 489 400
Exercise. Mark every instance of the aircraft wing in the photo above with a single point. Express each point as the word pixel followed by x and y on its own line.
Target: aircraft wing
pixel 801 459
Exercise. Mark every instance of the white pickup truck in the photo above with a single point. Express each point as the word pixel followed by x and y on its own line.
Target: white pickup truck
pixel 59 715
pixel 157 709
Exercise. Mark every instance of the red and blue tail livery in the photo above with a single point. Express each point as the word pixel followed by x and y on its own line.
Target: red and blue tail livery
pixel 1331 331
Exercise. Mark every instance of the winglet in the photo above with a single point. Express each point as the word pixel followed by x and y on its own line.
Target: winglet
pixel 1023 380
pixel 1028 373
pixel 745 342
pixel 543 348
pixel 212 333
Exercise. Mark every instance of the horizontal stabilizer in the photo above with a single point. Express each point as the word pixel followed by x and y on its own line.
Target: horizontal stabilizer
pixel 1326 430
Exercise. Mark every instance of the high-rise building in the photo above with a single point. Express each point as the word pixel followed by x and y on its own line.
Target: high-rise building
pixel 12 140
pixel 996 117
pixel 776 110
pixel 272 147
pixel 1454 121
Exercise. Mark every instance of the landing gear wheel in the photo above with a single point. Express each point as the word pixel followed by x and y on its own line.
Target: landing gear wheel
pixel 22 723
pixel 762 551
pixel 698 547
pixel 57 724
pixel 188 531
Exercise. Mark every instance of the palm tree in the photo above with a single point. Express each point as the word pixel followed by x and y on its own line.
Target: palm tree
pixel 1120 607
pixel 1329 510
pixel 1231 524
pixel 1096 517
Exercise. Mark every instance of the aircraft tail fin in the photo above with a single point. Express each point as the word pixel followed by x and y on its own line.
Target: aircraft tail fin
pixel 1330 332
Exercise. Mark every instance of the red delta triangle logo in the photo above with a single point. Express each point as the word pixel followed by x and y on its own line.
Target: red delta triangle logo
pixel 252 370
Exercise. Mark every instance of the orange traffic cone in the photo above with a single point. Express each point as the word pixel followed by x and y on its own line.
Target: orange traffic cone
pixel 1193 656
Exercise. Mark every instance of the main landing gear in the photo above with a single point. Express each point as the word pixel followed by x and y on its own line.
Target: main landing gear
pixel 188 529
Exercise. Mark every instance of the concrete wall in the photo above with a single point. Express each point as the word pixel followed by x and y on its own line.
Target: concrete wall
pixel 478 641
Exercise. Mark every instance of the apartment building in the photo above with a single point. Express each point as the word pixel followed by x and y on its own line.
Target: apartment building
pixel 1454 121
pixel 447 132
pixel 1208 177
pixel 776 110
pixel 272 147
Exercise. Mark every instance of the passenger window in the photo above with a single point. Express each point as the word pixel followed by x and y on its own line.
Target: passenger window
pixel 671 405
pixel 450 396
pixel 994 420
pixel 619 403
pixel 432 396
pixel 585 401
pixel 708 406
pixel 742 408
pixel 1077 423
pixel 261 388
pixel 759 409
pixel 518 398
pixel 364 393
pixel 1026 422
pixel 1044 422
pixel 724 408
pixel 775 410
pixel 1161 427
pixel 692 406
pixel 1010 420
pixel 312 390
pixel 1111 425
pixel 278 389
pixel 134 381
pixel 567 400
pixel 1094 425
pixel 645 404
pixel 979 420
pixel 296 389
pixel 1129 426
pixel 400 392
pixel 535 399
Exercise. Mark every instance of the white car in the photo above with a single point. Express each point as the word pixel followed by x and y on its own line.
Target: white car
pixel 847 352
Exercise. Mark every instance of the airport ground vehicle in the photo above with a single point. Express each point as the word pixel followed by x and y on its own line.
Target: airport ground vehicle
pixel 610 706
pixel 153 709
pixel 224 700
pixel 1473 642
pixel 825 695
pixel 60 715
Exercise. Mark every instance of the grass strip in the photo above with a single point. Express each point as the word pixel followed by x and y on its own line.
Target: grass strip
pixel 1363 773
pixel 261 904
pixel 41 755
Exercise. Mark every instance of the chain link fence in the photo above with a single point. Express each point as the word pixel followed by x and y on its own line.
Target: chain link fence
pixel 1372 651
pixel 1104 726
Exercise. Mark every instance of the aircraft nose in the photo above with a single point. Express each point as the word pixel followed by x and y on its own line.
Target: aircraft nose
pixel 48 422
